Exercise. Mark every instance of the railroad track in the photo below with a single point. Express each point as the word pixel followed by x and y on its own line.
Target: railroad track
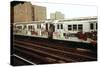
pixel 63 47
pixel 33 56
pixel 57 56
pixel 42 54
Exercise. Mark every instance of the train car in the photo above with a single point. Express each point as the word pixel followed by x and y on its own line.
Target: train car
pixel 33 29
pixel 76 30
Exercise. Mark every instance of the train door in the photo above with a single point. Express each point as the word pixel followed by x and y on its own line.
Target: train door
pixel 47 27
pixel 51 29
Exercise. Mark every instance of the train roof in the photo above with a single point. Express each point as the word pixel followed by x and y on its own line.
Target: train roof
pixel 30 22
pixel 35 22
pixel 79 19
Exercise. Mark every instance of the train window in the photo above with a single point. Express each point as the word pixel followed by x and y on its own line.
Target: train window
pixel 91 26
pixel 38 26
pixel 80 27
pixel 19 27
pixel 30 27
pixel 61 26
pixel 69 27
pixel 57 26
pixel 74 27
pixel 46 26
pixel 96 26
pixel 24 27
pixel 33 27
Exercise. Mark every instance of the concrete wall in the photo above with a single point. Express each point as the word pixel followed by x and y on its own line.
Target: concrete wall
pixel 57 15
pixel 28 12
pixel 22 12
pixel 39 12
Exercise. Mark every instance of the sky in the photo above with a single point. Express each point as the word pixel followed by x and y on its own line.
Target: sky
pixel 68 9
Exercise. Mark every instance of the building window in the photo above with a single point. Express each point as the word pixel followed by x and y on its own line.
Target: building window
pixel 91 26
pixel 69 27
pixel 80 27
pixel 74 27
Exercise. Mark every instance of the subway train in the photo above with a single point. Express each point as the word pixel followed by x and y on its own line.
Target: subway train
pixel 82 29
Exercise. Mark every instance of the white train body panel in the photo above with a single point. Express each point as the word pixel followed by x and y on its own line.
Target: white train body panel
pixel 63 30
pixel 58 34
